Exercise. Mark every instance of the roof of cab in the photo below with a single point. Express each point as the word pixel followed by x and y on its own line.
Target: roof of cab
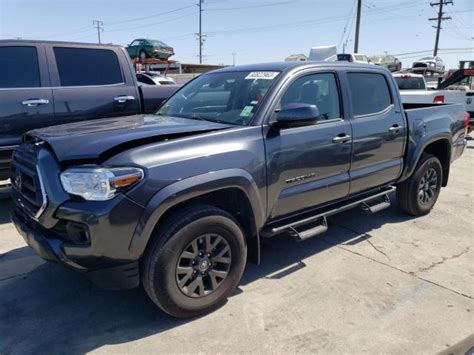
pixel 284 66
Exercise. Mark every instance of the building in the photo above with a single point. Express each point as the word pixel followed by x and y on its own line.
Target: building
pixel 296 58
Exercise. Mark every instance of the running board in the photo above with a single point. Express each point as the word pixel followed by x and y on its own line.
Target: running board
pixel 314 225
pixel 378 205
pixel 316 228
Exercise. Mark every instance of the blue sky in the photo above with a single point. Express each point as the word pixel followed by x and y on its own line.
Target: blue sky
pixel 257 31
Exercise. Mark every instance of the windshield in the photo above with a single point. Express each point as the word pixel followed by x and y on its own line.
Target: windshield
pixel 228 97
pixel 410 83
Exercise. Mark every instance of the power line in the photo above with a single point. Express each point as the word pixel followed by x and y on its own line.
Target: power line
pixel 429 50
pixel 251 6
pixel 439 19
pixel 99 25
pixel 151 24
pixel 149 16
pixel 349 19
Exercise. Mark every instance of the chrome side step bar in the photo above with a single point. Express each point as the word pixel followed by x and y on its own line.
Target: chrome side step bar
pixel 314 225
pixel 319 227
pixel 379 204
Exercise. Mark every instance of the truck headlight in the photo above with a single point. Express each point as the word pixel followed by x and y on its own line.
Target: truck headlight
pixel 98 184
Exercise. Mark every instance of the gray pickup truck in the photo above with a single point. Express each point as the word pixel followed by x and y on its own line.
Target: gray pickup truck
pixel 180 200
pixel 50 83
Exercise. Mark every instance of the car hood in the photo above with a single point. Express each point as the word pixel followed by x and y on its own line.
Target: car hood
pixel 92 140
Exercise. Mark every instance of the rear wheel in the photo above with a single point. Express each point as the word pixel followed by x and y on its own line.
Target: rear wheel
pixel 418 194
pixel 195 261
pixel 142 55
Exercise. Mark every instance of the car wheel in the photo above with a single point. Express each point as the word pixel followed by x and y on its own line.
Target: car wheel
pixel 418 194
pixel 194 262
pixel 142 55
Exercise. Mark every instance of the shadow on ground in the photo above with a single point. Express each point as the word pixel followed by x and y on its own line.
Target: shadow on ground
pixel 6 207
pixel 50 309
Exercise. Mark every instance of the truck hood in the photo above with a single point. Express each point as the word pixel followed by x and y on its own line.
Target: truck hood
pixel 96 139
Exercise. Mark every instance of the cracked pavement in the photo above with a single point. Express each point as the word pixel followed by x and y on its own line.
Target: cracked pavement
pixel 386 283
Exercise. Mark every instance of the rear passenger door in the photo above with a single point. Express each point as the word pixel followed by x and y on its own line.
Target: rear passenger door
pixel 379 131
pixel 90 83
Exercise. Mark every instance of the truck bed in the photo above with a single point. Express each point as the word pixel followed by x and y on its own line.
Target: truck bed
pixel 440 120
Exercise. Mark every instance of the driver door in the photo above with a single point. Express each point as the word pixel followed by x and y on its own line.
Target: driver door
pixel 309 166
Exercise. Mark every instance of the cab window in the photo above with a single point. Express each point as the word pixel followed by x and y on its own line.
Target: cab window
pixel 316 89
pixel 370 93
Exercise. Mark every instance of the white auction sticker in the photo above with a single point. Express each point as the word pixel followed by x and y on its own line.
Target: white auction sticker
pixel 265 75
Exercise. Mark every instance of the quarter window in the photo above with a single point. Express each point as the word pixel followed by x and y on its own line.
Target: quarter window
pixel 19 67
pixel 316 89
pixel 369 92
pixel 84 66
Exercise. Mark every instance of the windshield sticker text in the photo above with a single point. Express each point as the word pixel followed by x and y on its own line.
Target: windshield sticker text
pixel 264 75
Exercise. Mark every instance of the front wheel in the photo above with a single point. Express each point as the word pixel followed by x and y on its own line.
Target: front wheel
pixel 418 194
pixel 142 55
pixel 195 261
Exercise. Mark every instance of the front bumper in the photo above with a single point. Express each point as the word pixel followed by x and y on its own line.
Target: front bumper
pixel 89 236
pixel 121 276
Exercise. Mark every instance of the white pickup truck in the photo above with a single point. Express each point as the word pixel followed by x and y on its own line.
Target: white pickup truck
pixel 413 90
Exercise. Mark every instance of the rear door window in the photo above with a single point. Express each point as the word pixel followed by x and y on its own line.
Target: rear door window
pixel 370 93
pixel 19 67
pixel 87 67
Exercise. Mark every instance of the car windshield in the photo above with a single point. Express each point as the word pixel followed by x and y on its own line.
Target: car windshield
pixel 377 59
pixel 410 83
pixel 427 58
pixel 226 97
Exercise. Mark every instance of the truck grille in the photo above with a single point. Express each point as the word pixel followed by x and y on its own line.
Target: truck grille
pixel 27 185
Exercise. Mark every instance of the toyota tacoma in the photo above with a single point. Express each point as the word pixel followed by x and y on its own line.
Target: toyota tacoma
pixel 179 201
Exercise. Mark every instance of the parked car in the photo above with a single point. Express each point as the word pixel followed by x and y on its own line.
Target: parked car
pixel 434 64
pixel 407 81
pixel 149 48
pixel 51 83
pixel 388 61
pixel 154 78
pixel 180 200
pixel 353 58
pixel 414 90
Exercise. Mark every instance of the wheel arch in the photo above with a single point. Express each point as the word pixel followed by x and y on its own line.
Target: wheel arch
pixel 440 146
pixel 232 190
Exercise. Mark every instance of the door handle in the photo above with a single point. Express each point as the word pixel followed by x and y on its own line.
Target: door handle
pixel 395 128
pixel 123 99
pixel 342 138
pixel 35 102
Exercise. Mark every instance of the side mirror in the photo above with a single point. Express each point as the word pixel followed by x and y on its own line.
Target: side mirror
pixel 296 115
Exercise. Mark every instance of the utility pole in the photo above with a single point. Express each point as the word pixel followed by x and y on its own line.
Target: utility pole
pixel 359 11
pixel 233 58
pixel 440 18
pixel 100 28
pixel 200 37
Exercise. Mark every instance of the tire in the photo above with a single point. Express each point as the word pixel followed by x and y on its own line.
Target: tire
pixel 175 247
pixel 418 194
pixel 142 55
